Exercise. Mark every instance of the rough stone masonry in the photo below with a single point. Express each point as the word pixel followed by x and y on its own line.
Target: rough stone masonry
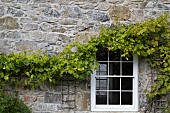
pixel 51 24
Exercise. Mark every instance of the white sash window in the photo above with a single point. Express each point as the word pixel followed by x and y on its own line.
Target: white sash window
pixel 114 85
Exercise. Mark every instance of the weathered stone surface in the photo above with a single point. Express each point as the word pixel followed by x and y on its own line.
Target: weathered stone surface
pixel 99 16
pixel 52 98
pixel 45 27
pixel 15 12
pixel 25 20
pixel 68 21
pixel 137 15
pixel 31 27
pixel 25 45
pixel 7 0
pixel 119 13
pixel 46 107
pixel 11 35
pixel 49 12
pixel 39 1
pixel 8 23
pixel 23 1
pixel 1 10
pixel 103 6
pixel 72 11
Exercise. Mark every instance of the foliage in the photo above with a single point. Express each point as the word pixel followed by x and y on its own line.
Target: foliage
pixel 11 104
pixel 150 39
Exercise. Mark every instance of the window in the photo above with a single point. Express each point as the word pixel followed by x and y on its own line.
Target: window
pixel 114 85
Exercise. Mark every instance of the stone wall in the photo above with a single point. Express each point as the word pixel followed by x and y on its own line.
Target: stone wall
pixel 51 24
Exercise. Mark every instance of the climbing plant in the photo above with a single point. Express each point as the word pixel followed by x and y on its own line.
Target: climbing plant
pixel 150 39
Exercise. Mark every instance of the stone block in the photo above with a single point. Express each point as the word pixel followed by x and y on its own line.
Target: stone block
pixel 50 12
pixel 52 98
pixel 8 23
pixel 46 107
pixel 1 10
pixel 119 13
pixel 31 27
pixel 72 11
pixel 99 16
pixel 103 6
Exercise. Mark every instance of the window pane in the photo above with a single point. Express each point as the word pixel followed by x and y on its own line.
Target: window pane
pixel 114 98
pixel 126 98
pixel 102 54
pixel 114 83
pixel 101 97
pixel 102 69
pixel 114 68
pixel 127 68
pixel 101 83
pixel 127 83
pixel 114 55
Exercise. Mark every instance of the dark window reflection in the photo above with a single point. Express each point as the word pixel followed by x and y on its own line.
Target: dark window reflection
pixel 127 83
pixel 102 69
pixel 127 68
pixel 114 55
pixel 114 98
pixel 101 97
pixel 101 83
pixel 114 83
pixel 102 54
pixel 126 98
pixel 114 68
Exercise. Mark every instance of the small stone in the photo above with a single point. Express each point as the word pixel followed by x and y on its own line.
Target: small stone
pixel 7 0
pixel 150 4
pixel 30 27
pixel 1 10
pixel 88 6
pixel 25 20
pixel 39 1
pixel 61 30
pixel 8 23
pixel 25 45
pixel 103 6
pixel 23 1
pixel 99 16
pixel 49 12
pixel 73 12
pixel 68 21
pixel 45 27
pixel 15 12
pixel 119 13
pixel 12 35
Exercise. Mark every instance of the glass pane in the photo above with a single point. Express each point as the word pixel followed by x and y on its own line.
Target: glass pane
pixel 114 83
pixel 101 83
pixel 114 98
pixel 127 83
pixel 114 55
pixel 101 97
pixel 126 98
pixel 102 54
pixel 127 68
pixel 102 69
pixel 114 68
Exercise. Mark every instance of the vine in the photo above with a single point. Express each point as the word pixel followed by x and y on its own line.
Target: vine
pixel 150 39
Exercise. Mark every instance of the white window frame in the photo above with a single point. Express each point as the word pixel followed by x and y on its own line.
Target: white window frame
pixel 135 102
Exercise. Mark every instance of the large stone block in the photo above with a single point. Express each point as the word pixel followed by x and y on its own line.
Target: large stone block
pixel 99 16
pixel 119 13
pixel 8 23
